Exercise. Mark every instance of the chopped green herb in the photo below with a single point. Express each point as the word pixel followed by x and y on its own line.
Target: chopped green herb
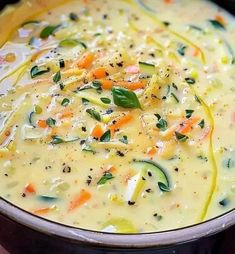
pixel 181 49
pixel 106 177
pixel 158 116
pixel 85 101
pixel 224 202
pixel 197 99
pixel 105 100
pixel 202 123
pixel 51 122
pixel 57 77
pixel 163 187
pixel 61 63
pixel 216 24
pixel 58 140
pixel 124 140
pixel 94 114
pixel 73 16
pixel 175 97
pixel 36 71
pixel 125 98
pixel 106 136
pixel 72 43
pixel 162 124
pixel 47 198
pixel 94 85
pixel 166 23
pixel 65 102
pixel 48 30
pixel 190 81
pixel 31 114
pixel 196 28
pixel 189 113
pixel 180 137
pixel 61 86
pixel 87 148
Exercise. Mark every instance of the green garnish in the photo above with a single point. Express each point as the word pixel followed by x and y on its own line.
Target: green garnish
pixel 181 49
pixel 57 77
pixel 202 124
pixel 181 137
pixel 94 85
pixel 190 81
pixel 36 71
pixel 189 113
pixel 65 102
pixel 51 122
pixel 73 16
pixel 124 140
pixel 224 202
pixel 105 100
pixel 175 97
pixel 72 43
pixel 48 30
pixel 106 136
pixel 196 28
pixel 47 198
pixel 94 114
pixel 163 187
pixel 87 148
pixel 85 101
pixel 162 124
pixel 106 177
pixel 58 140
pixel 197 99
pixel 125 98
pixel 31 114
pixel 216 24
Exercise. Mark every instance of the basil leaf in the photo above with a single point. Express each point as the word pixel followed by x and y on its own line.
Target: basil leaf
pixel 175 97
pixel 105 100
pixel 124 140
pixel 106 136
pixel 189 113
pixel 85 101
pixel 87 148
pixel 72 43
pixel 181 137
pixel 106 177
pixel 190 81
pixel 73 16
pixel 162 124
pixel 47 31
pixel 202 124
pixel 125 98
pixel 36 71
pixel 94 114
pixel 181 49
pixel 163 187
pixel 216 24
pixel 58 140
pixel 47 198
pixel 57 77
pixel 158 116
pixel 30 22
pixel 65 102
pixel 51 122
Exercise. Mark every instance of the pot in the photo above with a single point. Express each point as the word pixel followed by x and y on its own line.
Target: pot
pixel 22 232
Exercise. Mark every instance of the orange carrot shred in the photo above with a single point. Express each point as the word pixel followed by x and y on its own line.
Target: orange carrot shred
pixel 132 85
pixel 30 188
pixel 42 124
pixel 79 200
pixel 151 150
pixel 97 131
pixel 42 211
pixel 121 121
pixel 186 126
pixel 99 73
pixel 107 84
pixel 86 61
pixel 206 133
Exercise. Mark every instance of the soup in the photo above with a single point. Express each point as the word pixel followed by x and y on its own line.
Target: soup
pixel 118 116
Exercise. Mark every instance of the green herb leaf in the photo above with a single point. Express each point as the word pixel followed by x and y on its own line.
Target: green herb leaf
pixel 61 86
pixel 163 187
pixel 65 102
pixel 106 177
pixel 189 113
pixel 36 71
pixel 57 77
pixel 181 49
pixel 73 16
pixel 125 98
pixel 47 198
pixel 180 137
pixel 105 100
pixel 175 97
pixel 58 140
pixel 224 202
pixel 72 43
pixel 51 122
pixel 87 148
pixel 158 116
pixel 94 114
pixel 216 24
pixel 124 140
pixel 202 124
pixel 162 124
pixel 31 114
pixel 47 31
pixel 85 101
pixel 190 81
pixel 106 136
pixel 30 22
pixel 94 85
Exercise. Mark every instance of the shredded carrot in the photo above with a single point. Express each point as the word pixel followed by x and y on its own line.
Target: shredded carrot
pixel 97 131
pixel 107 84
pixel 79 200
pixel 99 73
pixel 206 133
pixel 132 69
pixel 186 125
pixel 196 52
pixel 132 85
pixel 66 114
pixel 30 188
pixel 111 169
pixel 151 150
pixel 121 121
pixel 220 19
pixel 42 211
pixel 86 61
pixel 42 124
pixel 168 1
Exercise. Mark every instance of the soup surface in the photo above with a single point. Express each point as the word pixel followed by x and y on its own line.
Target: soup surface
pixel 118 116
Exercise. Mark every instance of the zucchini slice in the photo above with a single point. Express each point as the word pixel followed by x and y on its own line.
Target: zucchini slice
pixel 157 170
pixel 147 68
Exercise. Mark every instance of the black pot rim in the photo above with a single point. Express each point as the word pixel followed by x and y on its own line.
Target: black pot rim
pixel 100 239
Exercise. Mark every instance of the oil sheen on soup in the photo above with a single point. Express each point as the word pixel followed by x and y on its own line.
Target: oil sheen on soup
pixel 118 116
